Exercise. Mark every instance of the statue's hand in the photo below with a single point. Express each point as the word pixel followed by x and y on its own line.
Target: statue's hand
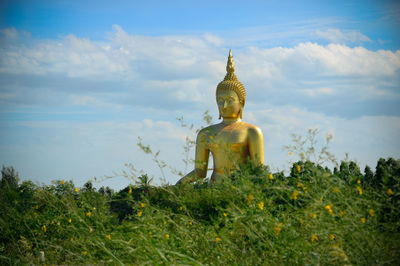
pixel 193 176
pixel 180 181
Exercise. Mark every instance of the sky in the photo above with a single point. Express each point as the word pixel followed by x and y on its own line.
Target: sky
pixel 80 81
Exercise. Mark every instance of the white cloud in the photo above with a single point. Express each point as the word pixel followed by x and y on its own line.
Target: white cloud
pixel 9 33
pixel 366 139
pixel 311 59
pixel 318 91
pixel 213 39
pixel 83 150
pixel 194 63
pixel 357 78
pixel 338 36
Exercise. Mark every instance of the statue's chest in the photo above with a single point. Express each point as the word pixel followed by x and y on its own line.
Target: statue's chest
pixel 228 140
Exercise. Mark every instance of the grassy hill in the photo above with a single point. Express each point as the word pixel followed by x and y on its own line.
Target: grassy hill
pixel 311 216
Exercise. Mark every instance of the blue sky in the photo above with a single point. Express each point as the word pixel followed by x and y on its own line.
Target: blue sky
pixel 81 80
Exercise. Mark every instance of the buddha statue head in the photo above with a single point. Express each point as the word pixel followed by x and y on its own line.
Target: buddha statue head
pixel 232 84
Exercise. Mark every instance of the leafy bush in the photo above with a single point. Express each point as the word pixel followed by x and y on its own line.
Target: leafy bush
pixel 311 216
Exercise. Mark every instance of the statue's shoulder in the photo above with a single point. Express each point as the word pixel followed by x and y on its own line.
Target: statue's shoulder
pixel 208 130
pixel 205 132
pixel 252 129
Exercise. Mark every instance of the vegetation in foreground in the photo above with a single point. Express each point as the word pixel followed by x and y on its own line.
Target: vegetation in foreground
pixel 311 216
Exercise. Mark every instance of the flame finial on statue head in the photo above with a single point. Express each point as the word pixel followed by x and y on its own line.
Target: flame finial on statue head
pixel 230 66
pixel 231 82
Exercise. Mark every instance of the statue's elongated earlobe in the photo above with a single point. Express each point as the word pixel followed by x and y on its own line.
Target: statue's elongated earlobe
pixel 241 113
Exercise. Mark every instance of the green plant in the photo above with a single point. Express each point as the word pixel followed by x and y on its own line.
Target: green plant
pixel 306 148
pixel 256 217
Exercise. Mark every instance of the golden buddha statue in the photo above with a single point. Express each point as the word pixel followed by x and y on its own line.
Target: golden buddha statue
pixel 231 142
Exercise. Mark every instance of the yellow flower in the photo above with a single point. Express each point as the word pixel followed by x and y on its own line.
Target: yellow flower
pixel 225 214
pixel 142 205
pixel 130 190
pixel 167 236
pixel 44 228
pixel 108 237
pixel 359 190
pixel 329 209
pixel 62 182
pixel 139 213
pixel 294 195
pixel 271 177
pixel 90 230
pixel 36 207
pixel 363 220
pixel 299 184
pixel 276 251
pixel 332 237
pixel 76 189
pixel 342 213
pixel 211 137
pixel 94 208
pixel 278 229
pixel 88 214
pixel 358 181
pixel 261 205
pixel 84 252
pixel 233 187
pixel 313 215
pixel 217 239
pixel 335 190
pixel 371 212
pixel 389 192
pixel 314 238
pixel 250 198
pixel 290 153
pixel 69 220
pixel 298 168
pixel 180 208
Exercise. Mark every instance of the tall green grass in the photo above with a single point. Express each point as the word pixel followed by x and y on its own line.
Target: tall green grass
pixel 310 216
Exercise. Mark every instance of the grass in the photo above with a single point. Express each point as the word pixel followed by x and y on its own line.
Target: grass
pixel 311 216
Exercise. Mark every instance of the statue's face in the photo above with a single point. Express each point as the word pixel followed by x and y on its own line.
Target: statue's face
pixel 228 104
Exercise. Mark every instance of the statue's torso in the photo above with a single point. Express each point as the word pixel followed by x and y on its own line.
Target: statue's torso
pixel 229 147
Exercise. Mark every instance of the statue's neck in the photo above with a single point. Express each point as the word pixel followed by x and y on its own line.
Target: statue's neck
pixel 228 121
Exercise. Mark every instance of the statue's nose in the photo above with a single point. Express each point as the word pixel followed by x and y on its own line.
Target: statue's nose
pixel 225 104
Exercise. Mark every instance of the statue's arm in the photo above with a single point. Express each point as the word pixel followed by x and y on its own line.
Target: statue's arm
pixel 256 145
pixel 201 160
